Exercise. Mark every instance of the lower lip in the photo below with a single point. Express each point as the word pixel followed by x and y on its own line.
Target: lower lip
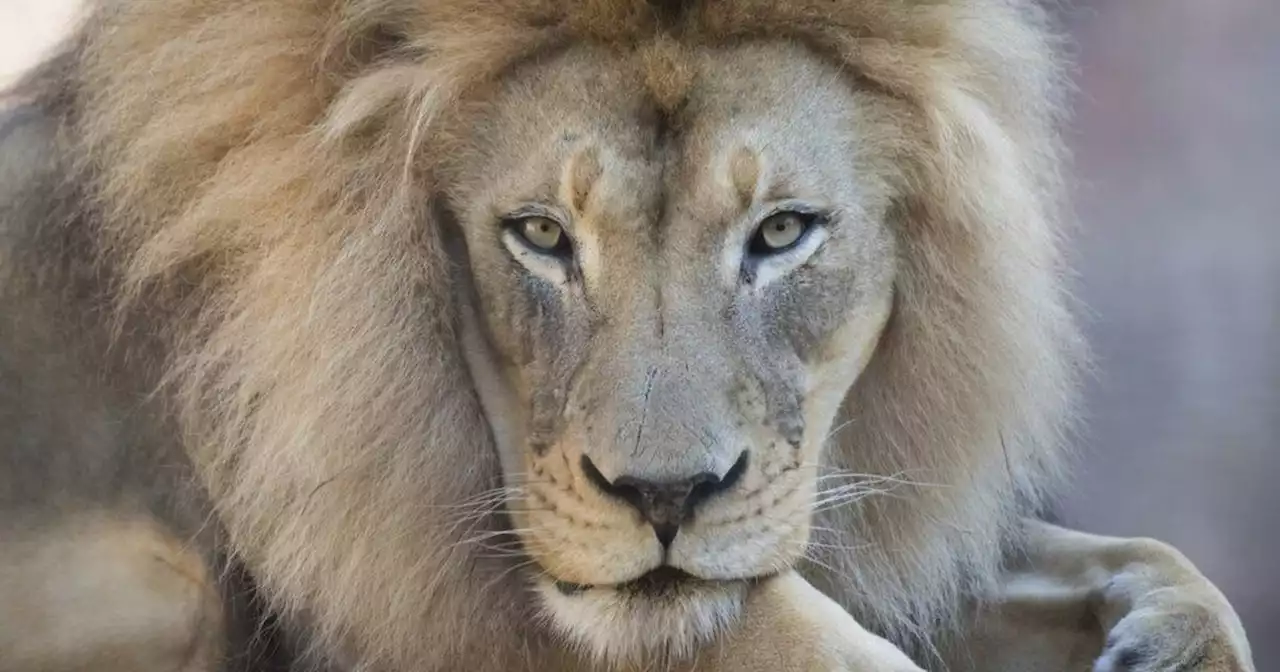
pixel 654 582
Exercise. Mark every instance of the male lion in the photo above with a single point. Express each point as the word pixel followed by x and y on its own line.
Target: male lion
pixel 552 334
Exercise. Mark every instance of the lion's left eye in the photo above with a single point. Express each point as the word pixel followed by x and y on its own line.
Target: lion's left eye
pixel 543 234
pixel 781 232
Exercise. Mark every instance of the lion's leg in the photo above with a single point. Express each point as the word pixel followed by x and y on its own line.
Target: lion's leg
pixel 1083 600
pixel 106 594
pixel 790 626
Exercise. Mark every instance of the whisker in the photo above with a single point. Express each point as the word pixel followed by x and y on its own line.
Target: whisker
pixel 844 500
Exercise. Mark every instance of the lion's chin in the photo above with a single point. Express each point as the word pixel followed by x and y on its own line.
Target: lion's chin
pixel 664 615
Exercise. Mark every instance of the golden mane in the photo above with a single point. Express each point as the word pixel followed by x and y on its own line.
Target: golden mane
pixel 262 172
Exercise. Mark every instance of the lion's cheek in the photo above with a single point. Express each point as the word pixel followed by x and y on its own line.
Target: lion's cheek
pixel 836 366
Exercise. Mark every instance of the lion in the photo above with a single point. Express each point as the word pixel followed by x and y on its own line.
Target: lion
pixel 554 335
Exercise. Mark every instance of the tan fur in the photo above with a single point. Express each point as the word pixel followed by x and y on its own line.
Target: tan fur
pixel 264 176
pixel 100 594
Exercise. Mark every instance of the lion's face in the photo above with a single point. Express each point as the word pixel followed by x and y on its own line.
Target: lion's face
pixel 680 266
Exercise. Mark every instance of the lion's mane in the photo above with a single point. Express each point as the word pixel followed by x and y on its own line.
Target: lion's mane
pixel 260 179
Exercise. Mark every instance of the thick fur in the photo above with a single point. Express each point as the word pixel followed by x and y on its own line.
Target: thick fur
pixel 254 184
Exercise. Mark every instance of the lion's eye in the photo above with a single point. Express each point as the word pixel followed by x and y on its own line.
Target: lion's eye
pixel 543 235
pixel 781 232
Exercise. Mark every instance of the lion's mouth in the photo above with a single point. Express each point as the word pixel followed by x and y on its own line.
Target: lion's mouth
pixel 659 582
pixel 654 583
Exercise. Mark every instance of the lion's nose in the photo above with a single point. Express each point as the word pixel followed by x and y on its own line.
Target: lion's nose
pixel 666 505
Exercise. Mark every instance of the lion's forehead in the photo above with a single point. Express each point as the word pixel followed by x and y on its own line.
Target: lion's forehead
pixel 766 116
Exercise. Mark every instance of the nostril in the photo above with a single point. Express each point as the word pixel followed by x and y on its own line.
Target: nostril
pixel 639 499
pixel 630 489
pixel 704 486
pixel 709 485
pixel 734 474
pixel 594 476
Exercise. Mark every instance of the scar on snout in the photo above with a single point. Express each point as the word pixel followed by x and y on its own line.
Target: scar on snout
pixel 744 174
pixel 581 174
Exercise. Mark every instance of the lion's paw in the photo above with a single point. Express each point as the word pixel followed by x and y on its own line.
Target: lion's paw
pixel 1187 636
pixel 1168 616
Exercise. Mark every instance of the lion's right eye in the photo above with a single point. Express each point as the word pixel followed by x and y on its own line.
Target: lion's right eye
pixel 781 232
pixel 542 234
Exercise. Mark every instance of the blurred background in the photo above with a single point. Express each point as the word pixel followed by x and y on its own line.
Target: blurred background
pixel 1176 133
pixel 1177 147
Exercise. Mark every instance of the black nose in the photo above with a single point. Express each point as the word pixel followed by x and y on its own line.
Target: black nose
pixel 666 505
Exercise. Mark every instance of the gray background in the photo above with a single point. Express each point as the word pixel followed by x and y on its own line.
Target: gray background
pixel 1177 141
pixel 1177 138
